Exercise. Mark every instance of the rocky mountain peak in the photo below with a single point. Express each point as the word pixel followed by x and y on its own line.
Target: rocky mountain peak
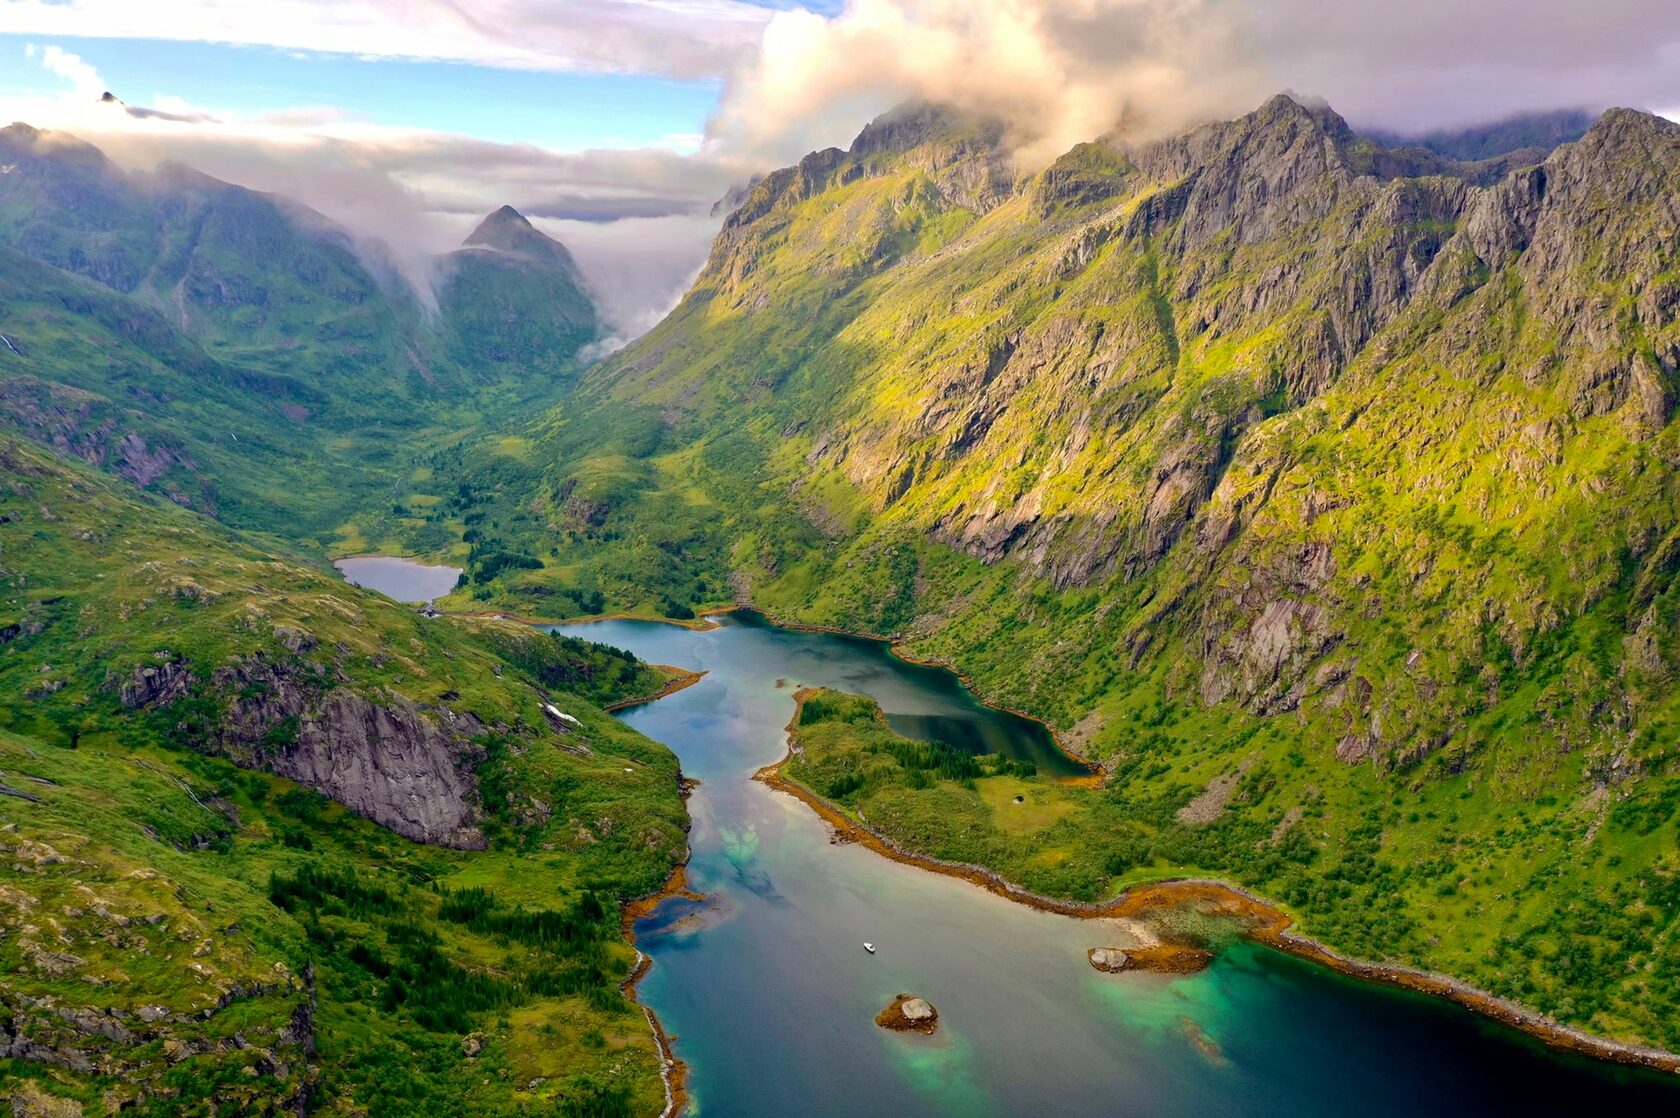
pixel 1629 132
pixel 509 231
pixel 503 228
pixel 915 124
pixel 1287 108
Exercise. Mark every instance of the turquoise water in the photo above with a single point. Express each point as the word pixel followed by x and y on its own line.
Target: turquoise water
pixel 402 579
pixel 771 997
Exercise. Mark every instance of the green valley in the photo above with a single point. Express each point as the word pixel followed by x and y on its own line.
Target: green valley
pixel 1320 489
pixel 243 356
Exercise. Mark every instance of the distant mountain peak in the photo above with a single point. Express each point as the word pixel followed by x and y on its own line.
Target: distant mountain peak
pixel 26 139
pixel 1287 106
pixel 504 215
pixel 505 228
pixel 1534 132
pixel 509 231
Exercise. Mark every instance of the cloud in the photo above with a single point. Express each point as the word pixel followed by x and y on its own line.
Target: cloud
pixel 636 219
pixel 1056 71
pixel 674 38
pixel 636 268
pixel 1061 71
pixel 84 79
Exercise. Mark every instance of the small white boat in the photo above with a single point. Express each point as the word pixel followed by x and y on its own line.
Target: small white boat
pixel 869 947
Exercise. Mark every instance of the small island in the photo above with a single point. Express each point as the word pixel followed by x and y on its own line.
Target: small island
pixel 908 1013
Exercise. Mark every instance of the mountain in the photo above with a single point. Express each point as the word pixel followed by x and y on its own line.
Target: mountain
pixel 267 838
pixel 1533 133
pixel 1328 487
pixel 290 375
pixel 513 296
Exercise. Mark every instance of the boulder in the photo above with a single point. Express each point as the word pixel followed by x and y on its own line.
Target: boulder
pixel 1161 958
pixel 1109 959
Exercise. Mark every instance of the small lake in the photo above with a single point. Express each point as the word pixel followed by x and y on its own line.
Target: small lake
pixel 403 579
pixel 771 997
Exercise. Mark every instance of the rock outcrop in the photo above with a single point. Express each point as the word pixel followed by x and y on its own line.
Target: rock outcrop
pixel 403 765
pixel 908 1013
pixel 1110 960
pixel 406 766
pixel 1157 958
pixel 152 685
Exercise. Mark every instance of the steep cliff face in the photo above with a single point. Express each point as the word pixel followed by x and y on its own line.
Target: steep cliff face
pixel 404 767
pixel 1149 371
pixel 407 766
pixel 278 668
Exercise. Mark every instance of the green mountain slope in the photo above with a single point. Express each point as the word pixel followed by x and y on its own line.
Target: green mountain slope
pixel 1328 487
pixel 202 912
pixel 289 372
pixel 513 297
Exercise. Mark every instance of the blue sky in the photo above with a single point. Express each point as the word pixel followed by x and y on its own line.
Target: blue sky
pixel 568 111
pixel 562 74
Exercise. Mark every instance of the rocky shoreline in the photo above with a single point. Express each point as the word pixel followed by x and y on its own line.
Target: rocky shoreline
pixel 1264 923
pixel 1156 958
pixel 699 623
pixel 673 1072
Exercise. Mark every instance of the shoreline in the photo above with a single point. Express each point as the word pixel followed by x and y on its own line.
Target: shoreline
pixel 673 1072
pixel 1268 926
pixel 700 623
pixel 685 678
pixel 897 649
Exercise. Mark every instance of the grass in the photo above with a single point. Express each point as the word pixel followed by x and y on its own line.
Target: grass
pixel 150 870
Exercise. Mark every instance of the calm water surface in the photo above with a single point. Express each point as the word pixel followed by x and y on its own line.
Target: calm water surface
pixel 771 996
pixel 402 579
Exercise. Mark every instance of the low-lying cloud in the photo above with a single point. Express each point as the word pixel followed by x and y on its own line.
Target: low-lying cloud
pixel 635 219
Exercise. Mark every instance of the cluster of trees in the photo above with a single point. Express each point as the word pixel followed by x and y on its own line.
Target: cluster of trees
pixel 390 938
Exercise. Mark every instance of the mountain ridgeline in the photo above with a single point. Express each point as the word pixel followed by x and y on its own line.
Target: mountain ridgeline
pixel 241 354
pixel 1324 485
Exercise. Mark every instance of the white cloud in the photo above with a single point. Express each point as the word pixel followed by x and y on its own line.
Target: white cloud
pixel 636 218
pixel 83 79
pixel 637 268
pixel 676 38
pixel 1061 71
